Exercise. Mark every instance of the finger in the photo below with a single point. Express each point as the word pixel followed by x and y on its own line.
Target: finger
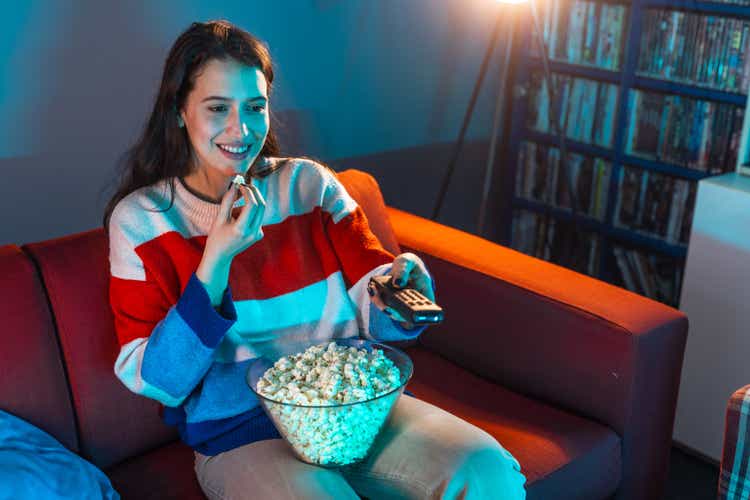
pixel 422 281
pixel 252 193
pixel 225 209
pixel 258 196
pixel 425 288
pixel 257 220
pixel 401 270
pixel 244 217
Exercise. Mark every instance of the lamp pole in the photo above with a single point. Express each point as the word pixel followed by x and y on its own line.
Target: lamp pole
pixel 499 108
pixel 467 117
pixel 510 15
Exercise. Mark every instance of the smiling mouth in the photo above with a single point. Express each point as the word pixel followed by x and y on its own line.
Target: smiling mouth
pixel 237 150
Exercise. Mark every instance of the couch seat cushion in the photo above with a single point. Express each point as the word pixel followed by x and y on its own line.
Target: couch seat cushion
pixel 563 456
pixel 162 474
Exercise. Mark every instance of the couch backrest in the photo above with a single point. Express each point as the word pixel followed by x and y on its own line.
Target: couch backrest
pixel 32 378
pixel 114 423
pixel 365 190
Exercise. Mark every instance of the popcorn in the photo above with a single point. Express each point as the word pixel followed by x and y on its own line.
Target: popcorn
pixel 321 379
pixel 239 180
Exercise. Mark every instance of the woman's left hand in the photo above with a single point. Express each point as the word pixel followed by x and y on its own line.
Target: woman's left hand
pixel 408 271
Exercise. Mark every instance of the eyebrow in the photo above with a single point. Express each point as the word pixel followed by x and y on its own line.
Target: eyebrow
pixel 220 98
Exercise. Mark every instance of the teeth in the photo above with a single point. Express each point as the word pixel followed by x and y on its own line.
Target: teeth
pixel 233 149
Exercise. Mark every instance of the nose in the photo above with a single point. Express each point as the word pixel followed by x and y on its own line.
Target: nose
pixel 237 126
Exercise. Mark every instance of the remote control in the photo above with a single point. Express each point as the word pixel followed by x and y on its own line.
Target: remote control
pixel 412 305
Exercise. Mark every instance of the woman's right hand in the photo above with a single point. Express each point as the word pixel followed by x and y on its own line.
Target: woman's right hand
pixel 228 237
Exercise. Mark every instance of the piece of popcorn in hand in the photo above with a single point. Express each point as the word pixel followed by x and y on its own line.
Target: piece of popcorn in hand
pixel 238 180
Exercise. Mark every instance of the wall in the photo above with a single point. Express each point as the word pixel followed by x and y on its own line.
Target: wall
pixel 356 79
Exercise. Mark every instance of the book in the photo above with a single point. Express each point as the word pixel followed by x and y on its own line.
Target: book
pixel 647 119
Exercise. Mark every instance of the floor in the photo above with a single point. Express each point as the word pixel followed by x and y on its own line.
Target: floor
pixel 690 478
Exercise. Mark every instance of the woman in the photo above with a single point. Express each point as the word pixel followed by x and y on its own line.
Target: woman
pixel 206 276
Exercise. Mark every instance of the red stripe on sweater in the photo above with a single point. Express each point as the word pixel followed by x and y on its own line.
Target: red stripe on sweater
pixel 357 248
pixel 137 307
pixel 293 254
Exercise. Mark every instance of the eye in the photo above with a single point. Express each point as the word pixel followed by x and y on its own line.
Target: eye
pixel 258 108
pixel 217 109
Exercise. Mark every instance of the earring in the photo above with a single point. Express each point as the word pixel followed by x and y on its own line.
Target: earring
pixel 180 123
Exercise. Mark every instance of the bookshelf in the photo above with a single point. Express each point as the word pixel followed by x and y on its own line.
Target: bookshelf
pixel 653 97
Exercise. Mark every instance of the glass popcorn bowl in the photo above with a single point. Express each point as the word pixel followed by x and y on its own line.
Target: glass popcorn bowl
pixel 332 435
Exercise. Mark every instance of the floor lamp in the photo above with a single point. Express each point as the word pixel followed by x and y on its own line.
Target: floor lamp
pixel 510 9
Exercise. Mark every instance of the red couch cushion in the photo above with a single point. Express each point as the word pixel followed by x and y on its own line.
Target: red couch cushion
pixel 114 423
pixel 163 474
pixel 32 379
pixel 562 455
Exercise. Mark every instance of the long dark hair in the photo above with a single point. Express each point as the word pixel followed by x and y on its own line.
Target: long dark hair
pixel 163 151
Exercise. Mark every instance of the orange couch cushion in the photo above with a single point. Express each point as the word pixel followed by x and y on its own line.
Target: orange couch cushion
pixel 562 455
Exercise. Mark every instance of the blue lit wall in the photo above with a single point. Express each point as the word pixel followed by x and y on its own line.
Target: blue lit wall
pixel 355 78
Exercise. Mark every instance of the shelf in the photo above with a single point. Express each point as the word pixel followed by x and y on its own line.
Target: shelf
pixel 665 168
pixel 673 250
pixel 742 11
pixel 636 161
pixel 573 146
pixel 689 90
pixel 578 70
pixel 587 222
pixel 594 225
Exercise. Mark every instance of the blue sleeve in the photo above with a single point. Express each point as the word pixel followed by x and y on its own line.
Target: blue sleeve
pixel 172 361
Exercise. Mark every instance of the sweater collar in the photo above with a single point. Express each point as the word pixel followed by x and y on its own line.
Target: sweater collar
pixel 197 208
pixel 202 210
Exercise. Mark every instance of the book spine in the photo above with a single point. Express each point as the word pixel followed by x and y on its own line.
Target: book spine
pixel 671 42
pixel 745 57
pixel 621 13
pixel 622 264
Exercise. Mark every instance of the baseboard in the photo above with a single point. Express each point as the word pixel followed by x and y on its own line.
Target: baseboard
pixel 695 454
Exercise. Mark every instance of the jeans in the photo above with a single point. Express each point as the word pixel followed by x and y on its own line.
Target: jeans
pixel 424 452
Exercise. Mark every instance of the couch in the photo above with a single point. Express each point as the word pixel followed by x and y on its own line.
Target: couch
pixel 577 378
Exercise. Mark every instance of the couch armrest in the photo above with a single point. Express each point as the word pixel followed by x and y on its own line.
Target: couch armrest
pixel 559 336
pixel 733 476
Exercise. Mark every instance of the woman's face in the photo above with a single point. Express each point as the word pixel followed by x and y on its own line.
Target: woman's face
pixel 226 117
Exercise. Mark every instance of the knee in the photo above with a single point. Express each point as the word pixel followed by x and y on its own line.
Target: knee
pixel 485 472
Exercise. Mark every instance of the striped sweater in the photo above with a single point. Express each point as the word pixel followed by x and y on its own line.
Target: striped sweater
pixel 305 280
